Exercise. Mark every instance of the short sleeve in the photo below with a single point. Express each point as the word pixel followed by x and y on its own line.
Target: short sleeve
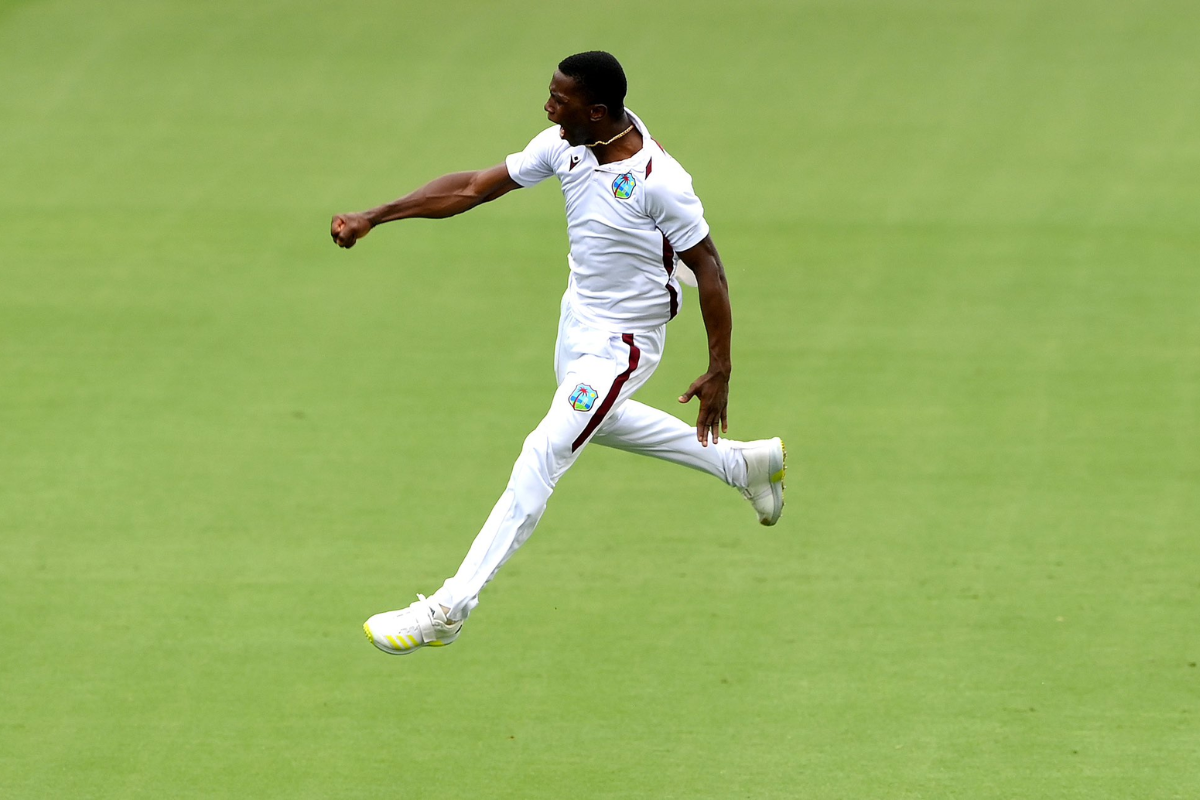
pixel 536 162
pixel 675 209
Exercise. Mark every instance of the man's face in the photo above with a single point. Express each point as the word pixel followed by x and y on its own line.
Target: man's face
pixel 569 109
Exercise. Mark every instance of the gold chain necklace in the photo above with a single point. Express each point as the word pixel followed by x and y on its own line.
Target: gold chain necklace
pixel 610 141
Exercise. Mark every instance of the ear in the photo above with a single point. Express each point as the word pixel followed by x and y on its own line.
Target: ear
pixel 597 112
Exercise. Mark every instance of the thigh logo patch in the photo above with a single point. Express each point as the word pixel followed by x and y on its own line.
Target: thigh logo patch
pixel 583 398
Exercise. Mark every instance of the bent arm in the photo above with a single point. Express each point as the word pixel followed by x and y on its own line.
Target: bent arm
pixel 713 386
pixel 705 262
pixel 440 198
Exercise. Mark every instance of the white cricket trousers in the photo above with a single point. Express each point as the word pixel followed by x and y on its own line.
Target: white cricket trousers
pixel 598 372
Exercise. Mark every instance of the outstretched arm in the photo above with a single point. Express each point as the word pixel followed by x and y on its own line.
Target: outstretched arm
pixel 438 199
pixel 713 386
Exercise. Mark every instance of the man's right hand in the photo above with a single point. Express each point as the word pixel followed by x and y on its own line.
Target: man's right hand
pixel 346 229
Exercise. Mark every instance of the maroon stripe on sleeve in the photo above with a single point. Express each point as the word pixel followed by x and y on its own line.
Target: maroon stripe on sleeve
pixel 635 356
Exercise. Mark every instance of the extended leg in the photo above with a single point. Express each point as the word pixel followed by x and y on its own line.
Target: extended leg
pixel 593 387
pixel 545 456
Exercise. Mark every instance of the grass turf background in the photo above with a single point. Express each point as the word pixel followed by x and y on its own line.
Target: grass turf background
pixel 962 246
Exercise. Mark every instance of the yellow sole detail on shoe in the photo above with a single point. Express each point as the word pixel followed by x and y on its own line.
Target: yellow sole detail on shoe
pixel 779 476
pixel 367 631
pixel 437 644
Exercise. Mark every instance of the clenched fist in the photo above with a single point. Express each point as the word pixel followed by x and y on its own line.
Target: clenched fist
pixel 346 229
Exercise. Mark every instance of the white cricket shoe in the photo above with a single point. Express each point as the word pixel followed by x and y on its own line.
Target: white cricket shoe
pixel 401 632
pixel 766 466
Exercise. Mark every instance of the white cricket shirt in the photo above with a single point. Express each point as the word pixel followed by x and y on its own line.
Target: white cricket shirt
pixel 626 221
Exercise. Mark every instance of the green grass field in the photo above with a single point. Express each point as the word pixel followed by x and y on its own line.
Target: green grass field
pixel 963 242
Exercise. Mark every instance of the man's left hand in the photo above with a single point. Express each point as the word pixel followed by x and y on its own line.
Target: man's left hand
pixel 713 390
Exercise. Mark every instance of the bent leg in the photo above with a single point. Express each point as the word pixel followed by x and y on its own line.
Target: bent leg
pixel 639 428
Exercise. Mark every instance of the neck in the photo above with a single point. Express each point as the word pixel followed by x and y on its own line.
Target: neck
pixel 619 140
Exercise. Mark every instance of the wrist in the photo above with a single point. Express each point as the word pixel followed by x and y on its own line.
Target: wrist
pixel 720 367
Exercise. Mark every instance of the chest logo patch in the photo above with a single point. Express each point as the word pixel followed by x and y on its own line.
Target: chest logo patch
pixel 623 186
pixel 583 398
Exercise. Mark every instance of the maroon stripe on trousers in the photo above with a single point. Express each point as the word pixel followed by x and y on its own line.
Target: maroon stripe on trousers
pixel 635 355
pixel 669 266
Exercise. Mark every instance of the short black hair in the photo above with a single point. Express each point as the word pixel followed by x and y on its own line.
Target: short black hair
pixel 601 78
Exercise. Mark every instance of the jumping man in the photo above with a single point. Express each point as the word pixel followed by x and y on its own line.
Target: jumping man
pixel 632 217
